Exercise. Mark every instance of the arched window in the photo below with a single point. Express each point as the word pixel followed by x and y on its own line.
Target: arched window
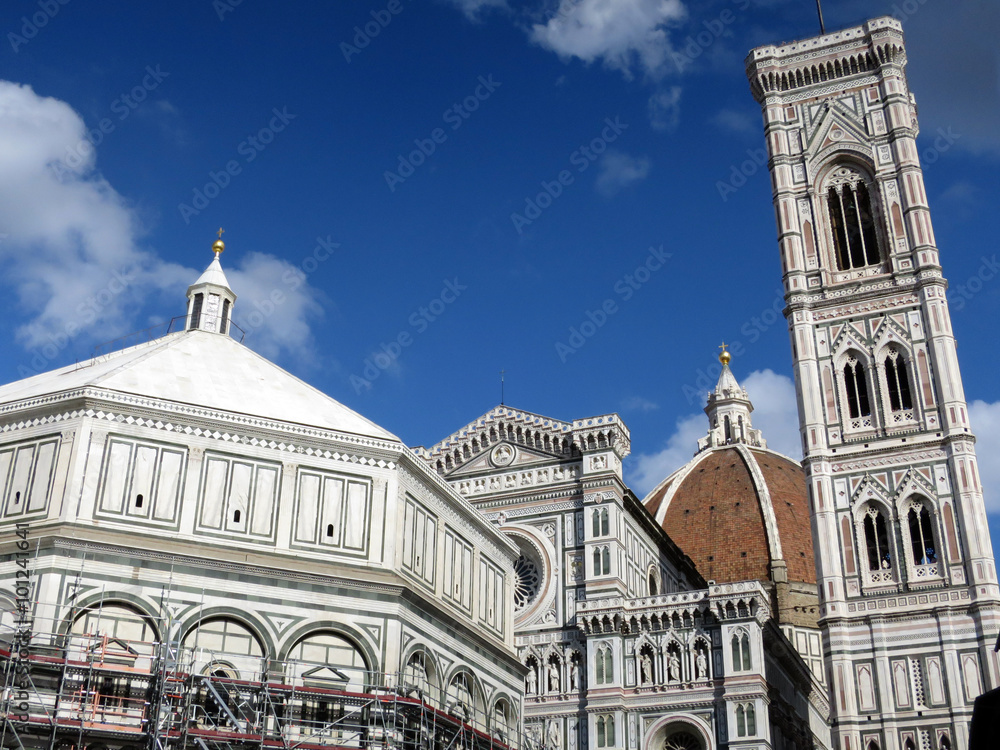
pixel 855 241
pixel 741 652
pixel 415 676
pixel 196 310
pixel 606 730
pixel 228 641
pixel 877 541
pixel 746 720
pixel 502 716
pixel 604 665
pixel 225 316
pixel 606 560
pixel 460 696
pixel 921 535
pixel 113 627
pixel 653 587
pixel 858 404
pixel 897 381
pixel 601 525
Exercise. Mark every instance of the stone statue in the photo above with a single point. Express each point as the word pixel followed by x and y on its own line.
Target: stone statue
pixel 574 676
pixel 645 669
pixel 702 665
pixel 552 735
pixel 553 677
pixel 532 680
pixel 675 667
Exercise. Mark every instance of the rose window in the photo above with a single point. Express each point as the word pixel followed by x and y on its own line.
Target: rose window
pixel 682 741
pixel 527 582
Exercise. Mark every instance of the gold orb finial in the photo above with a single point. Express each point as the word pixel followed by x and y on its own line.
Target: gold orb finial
pixel 218 246
pixel 725 357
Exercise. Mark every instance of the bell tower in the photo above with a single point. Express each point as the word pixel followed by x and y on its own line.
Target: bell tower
pixel 910 607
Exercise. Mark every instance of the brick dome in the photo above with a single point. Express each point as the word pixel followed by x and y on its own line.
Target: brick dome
pixel 736 511
pixel 740 511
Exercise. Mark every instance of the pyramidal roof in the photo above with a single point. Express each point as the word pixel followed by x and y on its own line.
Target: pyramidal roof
pixel 204 369
pixel 213 275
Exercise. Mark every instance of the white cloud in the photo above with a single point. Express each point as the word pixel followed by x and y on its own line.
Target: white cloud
pixel 737 120
pixel 665 109
pixel 649 469
pixel 618 170
pixel 775 411
pixel 71 246
pixel 775 414
pixel 985 418
pixel 638 403
pixel 625 34
pixel 274 305
pixel 474 8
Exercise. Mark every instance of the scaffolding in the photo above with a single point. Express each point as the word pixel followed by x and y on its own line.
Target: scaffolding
pixel 96 691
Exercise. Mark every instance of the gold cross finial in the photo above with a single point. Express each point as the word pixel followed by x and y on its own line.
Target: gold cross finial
pixel 218 246
pixel 725 356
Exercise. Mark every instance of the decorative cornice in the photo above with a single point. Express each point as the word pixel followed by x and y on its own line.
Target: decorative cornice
pixel 190 419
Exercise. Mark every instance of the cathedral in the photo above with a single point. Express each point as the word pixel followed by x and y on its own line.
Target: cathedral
pixel 203 551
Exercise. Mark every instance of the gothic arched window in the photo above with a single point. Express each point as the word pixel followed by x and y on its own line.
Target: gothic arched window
pixel 741 652
pixel 877 541
pixel 858 404
pixel 606 730
pixel 897 381
pixel 921 535
pixel 746 720
pixel 855 240
pixel 605 665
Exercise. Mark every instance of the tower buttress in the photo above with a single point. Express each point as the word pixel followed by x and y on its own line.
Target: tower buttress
pixel 910 603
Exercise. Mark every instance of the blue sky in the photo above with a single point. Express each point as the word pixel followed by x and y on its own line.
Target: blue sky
pixel 418 194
